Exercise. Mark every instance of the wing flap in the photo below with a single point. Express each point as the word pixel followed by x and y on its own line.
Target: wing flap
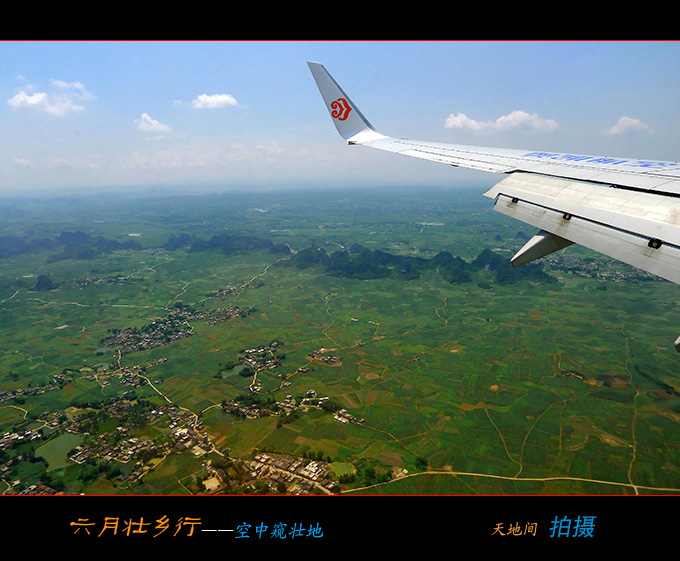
pixel 637 228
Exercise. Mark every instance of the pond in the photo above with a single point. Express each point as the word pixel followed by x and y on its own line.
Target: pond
pixel 56 450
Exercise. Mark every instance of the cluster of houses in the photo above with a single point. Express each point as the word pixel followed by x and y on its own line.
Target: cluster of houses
pixel 328 359
pixel 165 330
pixel 262 357
pixel 231 287
pixel 104 281
pixel 595 268
pixel 254 410
pixel 9 438
pixel 344 416
pixel 155 334
pixel 123 451
pixel 300 476
pixel 35 489
pixel 22 392
pixel 7 468
pixel 185 434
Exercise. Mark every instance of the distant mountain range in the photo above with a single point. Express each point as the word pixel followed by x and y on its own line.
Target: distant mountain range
pixel 362 263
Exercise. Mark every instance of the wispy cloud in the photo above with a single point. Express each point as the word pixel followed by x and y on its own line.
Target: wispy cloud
pixel 23 163
pixel 512 121
pixel 74 89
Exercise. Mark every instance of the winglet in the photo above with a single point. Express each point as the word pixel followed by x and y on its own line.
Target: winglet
pixel 348 120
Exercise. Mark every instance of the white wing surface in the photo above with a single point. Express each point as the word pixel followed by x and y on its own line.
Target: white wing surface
pixel 626 208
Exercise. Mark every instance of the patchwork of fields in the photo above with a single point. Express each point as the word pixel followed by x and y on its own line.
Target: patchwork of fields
pixel 563 380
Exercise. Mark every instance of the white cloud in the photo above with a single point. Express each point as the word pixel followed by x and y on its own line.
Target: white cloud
pixel 216 101
pixel 147 124
pixel 514 120
pixel 57 103
pixel 628 125
pixel 44 103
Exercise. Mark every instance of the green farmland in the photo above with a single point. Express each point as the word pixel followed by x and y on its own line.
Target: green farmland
pixel 156 345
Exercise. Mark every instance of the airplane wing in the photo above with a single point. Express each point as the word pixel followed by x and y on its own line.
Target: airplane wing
pixel 626 208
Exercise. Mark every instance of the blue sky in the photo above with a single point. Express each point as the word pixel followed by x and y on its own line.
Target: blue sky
pixel 208 116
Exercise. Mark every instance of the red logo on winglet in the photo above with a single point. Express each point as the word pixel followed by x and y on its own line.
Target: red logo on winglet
pixel 340 108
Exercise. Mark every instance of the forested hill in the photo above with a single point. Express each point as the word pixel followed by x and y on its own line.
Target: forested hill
pixel 359 262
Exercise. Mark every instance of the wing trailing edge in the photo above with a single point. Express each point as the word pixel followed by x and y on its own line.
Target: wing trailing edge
pixel 635 227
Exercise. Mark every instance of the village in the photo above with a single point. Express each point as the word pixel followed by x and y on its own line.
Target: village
pixel 165 330
pixel 263 473
pixel 108 281
pixel 180 431
pixel 295 476
pixel 596 268
pixel 130 454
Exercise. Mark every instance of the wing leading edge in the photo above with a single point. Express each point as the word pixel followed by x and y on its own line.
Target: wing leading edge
pixel 626 208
